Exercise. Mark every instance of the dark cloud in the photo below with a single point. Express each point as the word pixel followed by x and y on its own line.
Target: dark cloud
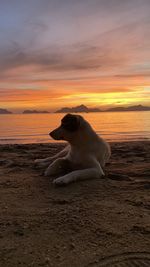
pixel 41 35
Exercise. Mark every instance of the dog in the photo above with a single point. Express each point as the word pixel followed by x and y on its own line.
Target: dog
pixel 83 158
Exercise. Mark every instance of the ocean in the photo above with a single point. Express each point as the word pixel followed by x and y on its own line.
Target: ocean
pixel 113 126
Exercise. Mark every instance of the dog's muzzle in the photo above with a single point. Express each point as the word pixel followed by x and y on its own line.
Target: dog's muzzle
pixel 56 134
pixel 51 134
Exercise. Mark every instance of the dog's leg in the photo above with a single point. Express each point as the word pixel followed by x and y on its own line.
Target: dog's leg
pixel 90 173
pixel 57 167
pixel 48 160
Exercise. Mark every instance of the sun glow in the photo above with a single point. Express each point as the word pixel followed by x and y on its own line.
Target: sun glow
pixel 106 99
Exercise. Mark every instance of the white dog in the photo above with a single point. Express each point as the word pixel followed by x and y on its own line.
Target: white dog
pixel 83 158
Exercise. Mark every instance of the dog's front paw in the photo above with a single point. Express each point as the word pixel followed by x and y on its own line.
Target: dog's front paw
pixel 60 181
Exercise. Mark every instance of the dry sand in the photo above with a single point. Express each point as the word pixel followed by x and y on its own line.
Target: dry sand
pixel 77 225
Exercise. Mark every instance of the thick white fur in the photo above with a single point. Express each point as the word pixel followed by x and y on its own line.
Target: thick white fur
pixel 83 158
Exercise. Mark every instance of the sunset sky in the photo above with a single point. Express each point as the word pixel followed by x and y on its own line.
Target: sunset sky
pixel 57 53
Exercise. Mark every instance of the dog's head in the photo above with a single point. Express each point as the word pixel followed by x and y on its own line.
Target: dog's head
pixel 68 129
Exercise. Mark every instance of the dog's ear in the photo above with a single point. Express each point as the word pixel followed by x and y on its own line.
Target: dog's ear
pixel 70 122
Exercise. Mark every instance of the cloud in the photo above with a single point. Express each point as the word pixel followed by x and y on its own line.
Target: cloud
pixel 111 51
pixel 63 47
pixel 37 41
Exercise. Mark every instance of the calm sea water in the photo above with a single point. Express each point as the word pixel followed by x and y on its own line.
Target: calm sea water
pixel 113 126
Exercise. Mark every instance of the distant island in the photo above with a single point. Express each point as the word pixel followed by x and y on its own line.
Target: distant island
pixel 5 111
pixel 34 112
pixel 83 108
pixel 132 108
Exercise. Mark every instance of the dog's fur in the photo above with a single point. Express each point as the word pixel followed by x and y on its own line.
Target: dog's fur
pixel 83 158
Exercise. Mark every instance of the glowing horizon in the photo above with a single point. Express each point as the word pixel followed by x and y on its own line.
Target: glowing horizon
pixel 66 53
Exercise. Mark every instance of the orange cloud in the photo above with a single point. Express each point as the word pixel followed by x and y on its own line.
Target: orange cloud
pixel 31 91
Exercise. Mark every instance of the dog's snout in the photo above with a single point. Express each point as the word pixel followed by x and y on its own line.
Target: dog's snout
pixel 51 134
pixel 56 134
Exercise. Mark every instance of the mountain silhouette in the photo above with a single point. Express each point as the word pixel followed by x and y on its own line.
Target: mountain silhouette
pixel 80 109
pixel 83 108
pixel 34 112
pixel 5 111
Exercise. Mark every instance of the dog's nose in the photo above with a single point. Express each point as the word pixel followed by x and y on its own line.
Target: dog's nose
pixel 51 134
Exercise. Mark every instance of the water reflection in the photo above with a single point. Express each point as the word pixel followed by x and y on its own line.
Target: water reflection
pixel 113 126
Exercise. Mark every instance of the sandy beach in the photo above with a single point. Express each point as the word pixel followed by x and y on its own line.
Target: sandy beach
pixel 80 225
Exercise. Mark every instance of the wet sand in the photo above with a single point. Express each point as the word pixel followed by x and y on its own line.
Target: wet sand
pixel 77 225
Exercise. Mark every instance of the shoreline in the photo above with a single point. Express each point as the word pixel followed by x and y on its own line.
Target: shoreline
pixel 76 225
pixel 145 140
